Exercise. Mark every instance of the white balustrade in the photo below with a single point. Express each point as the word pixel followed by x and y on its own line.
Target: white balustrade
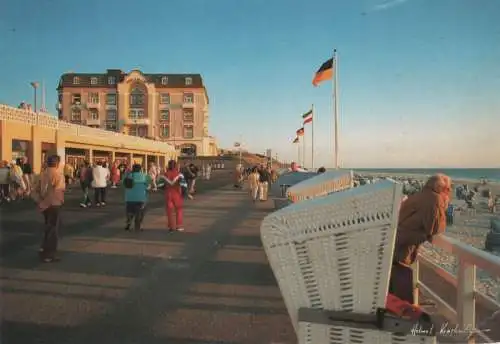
pixel 11 114
pixel 468 259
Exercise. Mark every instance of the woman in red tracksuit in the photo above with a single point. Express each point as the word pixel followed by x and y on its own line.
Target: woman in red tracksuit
pixel 173 196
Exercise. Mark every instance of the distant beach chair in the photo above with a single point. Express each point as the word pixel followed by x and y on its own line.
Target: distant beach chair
pixel 321 185
pixel 332 258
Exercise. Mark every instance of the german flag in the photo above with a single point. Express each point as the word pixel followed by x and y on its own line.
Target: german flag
pixel 296 140
pixel 307 117
pixel 300 132
pixel 325 72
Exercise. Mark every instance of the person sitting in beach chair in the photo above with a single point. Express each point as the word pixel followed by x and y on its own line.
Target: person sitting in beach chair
pixel 450 214
pixel 421 217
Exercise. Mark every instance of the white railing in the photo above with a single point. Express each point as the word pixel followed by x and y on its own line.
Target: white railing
pixel 468 259
pixel 9 113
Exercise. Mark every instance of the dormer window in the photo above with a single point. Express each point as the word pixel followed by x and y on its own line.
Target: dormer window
pixel 188 81
pixel 76 80
pixel 164 80
pixel 93 80
pixel 111 80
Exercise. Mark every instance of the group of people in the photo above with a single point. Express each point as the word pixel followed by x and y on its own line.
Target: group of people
pixel 259 179
pixel 49 189
pixel 16 179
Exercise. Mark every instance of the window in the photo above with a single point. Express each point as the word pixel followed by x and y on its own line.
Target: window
pixel 136 113
pixel 164 98
pixel 93 114
pixel 165 115
pixel 76 116
pixel 93 98
pixel 111 115
pixel 164 131
pixel 189 81
pixel 111 125
pixel 142 131
pixel 136 97
pixel 188 115
pixel 188 98
pixel 164 80
pixel 111 99
pixel 60 97
pixel 76 80
pixel 188 132
pixel 76 99
pixel 93 80
pixel 111 80
pixel 133 130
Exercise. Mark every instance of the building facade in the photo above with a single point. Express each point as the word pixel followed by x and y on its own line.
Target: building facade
pixel 165 107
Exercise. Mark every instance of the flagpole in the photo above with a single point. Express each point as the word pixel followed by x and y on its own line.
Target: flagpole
pixel 304 147
pixel 298 153
pixel 336 108
pixel 312 136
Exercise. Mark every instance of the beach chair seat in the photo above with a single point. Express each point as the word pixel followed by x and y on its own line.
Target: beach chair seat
pixel 286 180
pixel 332 257
pixel 321 185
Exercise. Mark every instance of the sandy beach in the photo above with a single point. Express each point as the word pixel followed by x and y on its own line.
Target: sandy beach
pixel 468 228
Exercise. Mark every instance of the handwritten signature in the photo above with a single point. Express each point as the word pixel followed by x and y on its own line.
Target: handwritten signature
pixel 445 330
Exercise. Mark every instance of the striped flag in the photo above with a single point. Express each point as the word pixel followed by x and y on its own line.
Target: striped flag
pixel 300 132
pixel 307 117
pixel 296 140
pixel 325 72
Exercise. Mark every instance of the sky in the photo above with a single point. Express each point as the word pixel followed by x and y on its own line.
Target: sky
pixel 419 80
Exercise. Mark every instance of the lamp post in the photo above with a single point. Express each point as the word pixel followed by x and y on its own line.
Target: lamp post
pixel 35 85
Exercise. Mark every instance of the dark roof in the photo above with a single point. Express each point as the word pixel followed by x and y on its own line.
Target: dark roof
pixel 174 80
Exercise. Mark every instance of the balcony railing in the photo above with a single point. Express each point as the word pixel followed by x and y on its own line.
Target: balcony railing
pixel 93 121
pixel 11 114
pixel 468 258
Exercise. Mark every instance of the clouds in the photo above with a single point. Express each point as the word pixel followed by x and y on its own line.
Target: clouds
pixel 388 4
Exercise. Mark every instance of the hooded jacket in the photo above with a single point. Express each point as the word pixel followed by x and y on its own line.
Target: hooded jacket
pixel 421 217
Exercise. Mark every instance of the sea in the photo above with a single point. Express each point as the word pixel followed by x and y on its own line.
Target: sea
pixel 491 174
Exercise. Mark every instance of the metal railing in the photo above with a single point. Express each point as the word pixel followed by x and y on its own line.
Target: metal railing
pixel 468 260
pixel 46 120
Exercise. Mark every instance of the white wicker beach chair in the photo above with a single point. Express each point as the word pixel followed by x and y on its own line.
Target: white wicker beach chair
pixel 321 185
pixel 288 179
pixel 332 258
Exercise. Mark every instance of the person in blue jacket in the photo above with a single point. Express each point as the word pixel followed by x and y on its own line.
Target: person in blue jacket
pixel 136 185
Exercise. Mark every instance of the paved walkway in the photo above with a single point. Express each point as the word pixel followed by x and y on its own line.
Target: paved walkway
pixel 209 284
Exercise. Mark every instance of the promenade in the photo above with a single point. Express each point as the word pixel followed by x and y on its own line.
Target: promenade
pixel 208 284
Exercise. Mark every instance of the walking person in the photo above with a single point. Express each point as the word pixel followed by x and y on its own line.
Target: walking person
pixel 49 195
pixel 136 185
pixel 17 181
pixel 27 174
pixel 4 181
pixel 115 175
pixel 85 184
pixel 264 181
pixel 100 177
pixel 253 184
pixel 174 182
pixel 153 174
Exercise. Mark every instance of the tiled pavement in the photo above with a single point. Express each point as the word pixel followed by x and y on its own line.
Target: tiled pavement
pixel 209 284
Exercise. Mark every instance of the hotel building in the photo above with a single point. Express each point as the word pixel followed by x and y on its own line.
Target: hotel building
pixel 166 107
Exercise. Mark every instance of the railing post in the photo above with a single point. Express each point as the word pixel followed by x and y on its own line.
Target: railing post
pixel 416 277
pixel 466 285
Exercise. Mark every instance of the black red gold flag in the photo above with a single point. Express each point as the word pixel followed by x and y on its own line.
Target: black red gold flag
pixel 300 132
pixel 325 72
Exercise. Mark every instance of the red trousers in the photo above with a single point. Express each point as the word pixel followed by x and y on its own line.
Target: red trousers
pixel 174 202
